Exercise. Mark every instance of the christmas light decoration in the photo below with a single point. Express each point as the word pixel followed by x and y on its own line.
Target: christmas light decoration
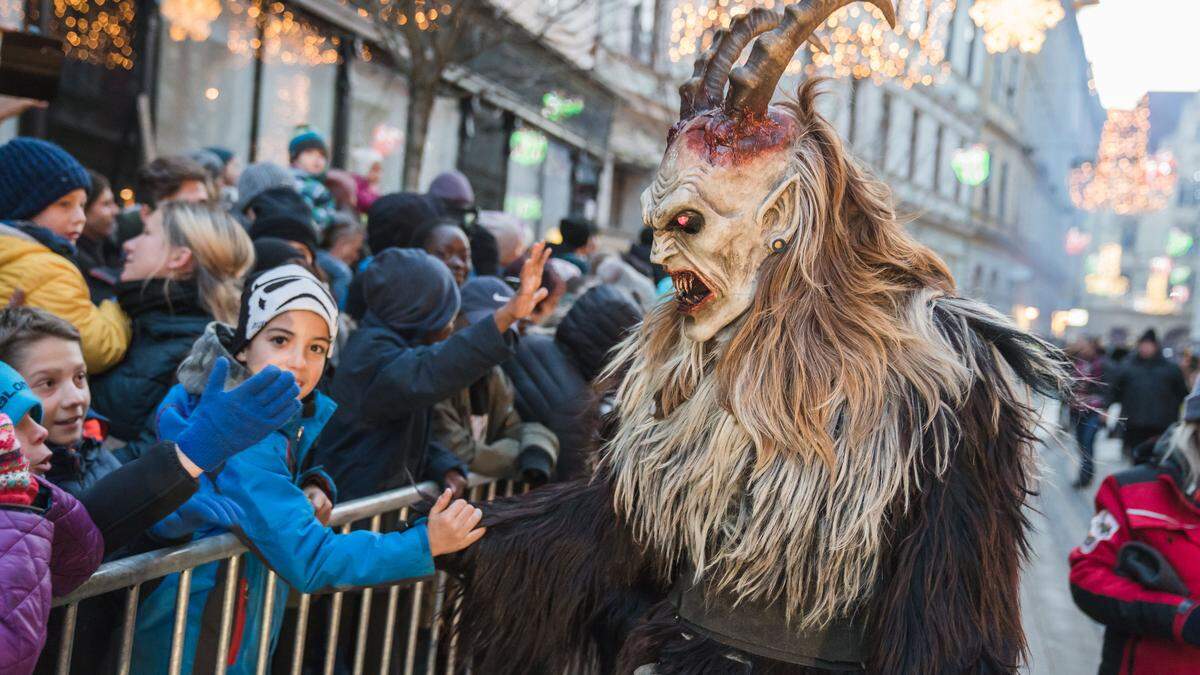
pixel 1105 276
pixel 190 19
pixel 557 107
pixel 526 207
pixel 1125 178
pixel 527 147
pixel 1077 241
pixel 1016 23
pixel 1178 242
pixel 1157 299
pixel 98 32
pixel 286 38
pixel 1180 274
pixel 424 14
pixel 860 43
pixel 972 165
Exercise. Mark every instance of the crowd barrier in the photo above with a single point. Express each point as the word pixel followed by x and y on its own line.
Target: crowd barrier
pixel 424 610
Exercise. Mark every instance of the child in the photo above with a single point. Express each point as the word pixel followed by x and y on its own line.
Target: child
pixel 479 423
pixel 287 319
pixel 309 157
pixel 48 547
pixel 402 361
pixel 340 254
pixel 42 195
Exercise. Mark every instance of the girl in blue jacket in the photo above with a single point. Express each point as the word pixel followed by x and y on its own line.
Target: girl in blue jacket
pixel 289 320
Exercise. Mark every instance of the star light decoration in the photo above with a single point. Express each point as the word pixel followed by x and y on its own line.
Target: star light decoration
pixel 1125 178
pixel 1016 23
pixel 860 43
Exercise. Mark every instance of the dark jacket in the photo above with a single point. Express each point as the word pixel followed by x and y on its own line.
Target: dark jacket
pixel 1144 623
pixel 76 467
pixel 386 388
pixel 46 551
pixel 553 376
pixel 167 320
pixel 1150 392
pixel 100 263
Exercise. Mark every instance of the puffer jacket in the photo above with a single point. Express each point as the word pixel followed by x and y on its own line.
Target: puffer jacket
pixel 167 320
pixel 36 262
pixel 46 551
pixel 552 377
pixel 279 528
pixel 1144 619
pixel 1150 392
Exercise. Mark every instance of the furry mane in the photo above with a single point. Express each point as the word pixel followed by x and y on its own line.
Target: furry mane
pixel 770 457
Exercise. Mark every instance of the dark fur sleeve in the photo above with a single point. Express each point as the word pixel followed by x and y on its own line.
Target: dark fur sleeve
pixel 554 584
pixel 950 601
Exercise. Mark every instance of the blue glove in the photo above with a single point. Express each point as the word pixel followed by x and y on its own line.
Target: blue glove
pixel 203 510
pixel 227 422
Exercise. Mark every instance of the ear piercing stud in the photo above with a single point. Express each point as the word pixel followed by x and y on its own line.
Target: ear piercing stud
pixel 778 245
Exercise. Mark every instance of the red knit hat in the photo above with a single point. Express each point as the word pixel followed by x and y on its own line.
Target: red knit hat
pixel 17 485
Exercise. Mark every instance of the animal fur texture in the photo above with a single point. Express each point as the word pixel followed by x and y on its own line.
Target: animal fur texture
pixel 857 444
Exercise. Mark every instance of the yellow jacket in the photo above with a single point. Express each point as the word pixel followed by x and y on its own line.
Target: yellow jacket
pixel 52 282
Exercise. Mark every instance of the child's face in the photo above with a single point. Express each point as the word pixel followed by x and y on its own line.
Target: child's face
pixel 55 371
pixel 32 437
pixel 312 161
pixel 65 217
pixel 149 255
pixel 297 342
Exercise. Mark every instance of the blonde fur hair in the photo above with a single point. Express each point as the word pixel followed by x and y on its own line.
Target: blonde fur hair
pixel 221 250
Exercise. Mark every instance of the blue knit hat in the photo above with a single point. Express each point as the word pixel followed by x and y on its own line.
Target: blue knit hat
pixel 411 292
pixel 15 397
pixel 306 138
pixel 35 173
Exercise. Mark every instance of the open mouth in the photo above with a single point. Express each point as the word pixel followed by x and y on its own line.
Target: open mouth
pixel 690 291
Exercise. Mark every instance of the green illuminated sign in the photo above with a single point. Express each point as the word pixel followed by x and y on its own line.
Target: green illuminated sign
pixel 972 165
pixel 527 147
pixel 558 107
pixel 526 207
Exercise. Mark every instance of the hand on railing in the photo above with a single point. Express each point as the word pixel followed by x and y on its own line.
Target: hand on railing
pixel 203 510
pixel 451 527
pixel 227 422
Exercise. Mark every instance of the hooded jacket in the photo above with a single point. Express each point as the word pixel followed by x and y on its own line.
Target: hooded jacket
pixel 552 377
pixel 46 551
pixel 1150 392
pixel 40 264
pixel 387 385
pixel 279 528
pixel 167 320
pixel 1143 625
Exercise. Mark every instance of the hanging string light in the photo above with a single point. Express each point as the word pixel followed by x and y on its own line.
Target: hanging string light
pixel 1125 178
pixel 190 19
pixel 98 32
pixel 1016 23
pixel 860 43
pixel 424 14
pixel 286 38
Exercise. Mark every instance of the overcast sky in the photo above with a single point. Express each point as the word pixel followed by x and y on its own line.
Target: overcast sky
pixel 1137 46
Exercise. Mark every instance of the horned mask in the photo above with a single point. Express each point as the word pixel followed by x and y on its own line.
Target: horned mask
pixel 729 192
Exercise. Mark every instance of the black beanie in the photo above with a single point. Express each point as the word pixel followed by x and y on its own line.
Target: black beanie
pixel 271 252
pixel 485 252
pixel 288 227
pixel 394 218
pixel 1149 336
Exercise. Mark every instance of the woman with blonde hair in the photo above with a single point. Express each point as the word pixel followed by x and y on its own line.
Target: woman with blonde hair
pixel 184 271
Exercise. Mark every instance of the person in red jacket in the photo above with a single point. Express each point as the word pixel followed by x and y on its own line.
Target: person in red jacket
pixel 1138 570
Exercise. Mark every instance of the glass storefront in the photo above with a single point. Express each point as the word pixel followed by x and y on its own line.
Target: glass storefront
pixel 297 89
pixel 378 118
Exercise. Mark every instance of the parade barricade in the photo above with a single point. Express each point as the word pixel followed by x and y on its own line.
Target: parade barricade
pixel 424 611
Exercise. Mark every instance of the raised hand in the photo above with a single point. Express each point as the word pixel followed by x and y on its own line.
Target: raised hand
pixel 203 510
pixel 451 527
pixel 530 292
pixel 227 422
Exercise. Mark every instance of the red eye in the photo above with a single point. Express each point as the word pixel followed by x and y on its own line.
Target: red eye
pixel 687 221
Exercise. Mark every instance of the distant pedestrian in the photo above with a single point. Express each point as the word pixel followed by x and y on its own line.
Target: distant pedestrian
pixel 1087 416
pixel 309 157
pixel 1150 390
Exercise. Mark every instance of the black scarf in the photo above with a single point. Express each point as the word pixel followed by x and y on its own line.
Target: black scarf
pixel 158 295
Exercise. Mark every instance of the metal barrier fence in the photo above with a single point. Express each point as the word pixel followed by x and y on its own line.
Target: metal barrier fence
pixel 129 574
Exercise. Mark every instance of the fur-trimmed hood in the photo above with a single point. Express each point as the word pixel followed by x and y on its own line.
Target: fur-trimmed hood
pixel 194 370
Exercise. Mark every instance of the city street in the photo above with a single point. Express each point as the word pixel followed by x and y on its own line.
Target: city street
pixel 1062 641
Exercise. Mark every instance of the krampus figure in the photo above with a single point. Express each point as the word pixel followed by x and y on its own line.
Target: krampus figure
pixel 819 454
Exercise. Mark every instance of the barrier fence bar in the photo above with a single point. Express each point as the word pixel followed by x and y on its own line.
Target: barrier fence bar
pixel 130 574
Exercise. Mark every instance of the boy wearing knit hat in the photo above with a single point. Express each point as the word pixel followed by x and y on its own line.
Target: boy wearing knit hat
pixel 309 157
pixel 402 361
pixel 42 194
pixel 287 320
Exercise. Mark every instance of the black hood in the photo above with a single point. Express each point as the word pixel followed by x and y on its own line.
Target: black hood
pixel 598 320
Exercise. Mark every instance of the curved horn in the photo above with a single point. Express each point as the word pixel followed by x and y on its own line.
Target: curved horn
pixel 707 85
pixel 752 86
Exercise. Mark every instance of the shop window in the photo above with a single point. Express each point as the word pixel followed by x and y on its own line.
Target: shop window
pixel 539 188
pixel 299 75
pixel 205 93
pixel 378 117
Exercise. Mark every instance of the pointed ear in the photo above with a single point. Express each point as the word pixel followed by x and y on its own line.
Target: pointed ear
pixel 779 215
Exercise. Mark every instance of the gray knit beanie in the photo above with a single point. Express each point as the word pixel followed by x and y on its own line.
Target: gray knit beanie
pixel 257 179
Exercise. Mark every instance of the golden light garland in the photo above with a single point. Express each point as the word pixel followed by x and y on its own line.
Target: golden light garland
pixel 285 37
pixel 424 14
pixel 860 42
pixel 190 19
pixel 1125 178
pixel 96 31
pixel 1016 23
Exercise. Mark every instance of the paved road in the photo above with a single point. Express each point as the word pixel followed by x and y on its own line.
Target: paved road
pixel 1062 641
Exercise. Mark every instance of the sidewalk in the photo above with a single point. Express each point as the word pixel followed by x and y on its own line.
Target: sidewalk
pixel 1062 640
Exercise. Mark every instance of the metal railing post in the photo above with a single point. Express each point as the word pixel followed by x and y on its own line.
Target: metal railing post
pixel 68 639
pixel 227 603
pixel 179 630
pixel 125 659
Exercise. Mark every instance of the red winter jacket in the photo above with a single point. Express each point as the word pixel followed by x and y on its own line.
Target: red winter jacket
pixel 1144 631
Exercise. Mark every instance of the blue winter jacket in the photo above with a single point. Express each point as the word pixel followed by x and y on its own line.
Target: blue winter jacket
pixel 283 536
